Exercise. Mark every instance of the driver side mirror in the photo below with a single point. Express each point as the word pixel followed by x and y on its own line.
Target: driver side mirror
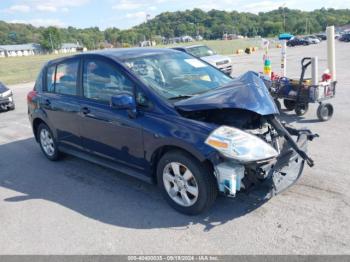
pixel 124 101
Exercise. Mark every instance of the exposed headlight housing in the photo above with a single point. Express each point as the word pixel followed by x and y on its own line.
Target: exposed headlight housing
pixel 6 93
pixel 237 144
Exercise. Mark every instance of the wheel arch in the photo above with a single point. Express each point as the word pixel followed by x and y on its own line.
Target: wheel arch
pixel 162 150
pixel 36 123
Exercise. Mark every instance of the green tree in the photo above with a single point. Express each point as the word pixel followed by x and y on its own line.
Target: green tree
pixel 51 39
pixel 211 25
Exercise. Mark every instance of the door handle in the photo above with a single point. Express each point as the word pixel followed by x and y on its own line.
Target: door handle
pixel 85 110
pixel 47 102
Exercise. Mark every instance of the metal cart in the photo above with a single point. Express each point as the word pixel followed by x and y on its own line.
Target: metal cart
pixel 297 95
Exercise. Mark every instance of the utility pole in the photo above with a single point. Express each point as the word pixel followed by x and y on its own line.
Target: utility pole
pixel 51 41
pixel 284 16
pixel 148 17
pixel 306 25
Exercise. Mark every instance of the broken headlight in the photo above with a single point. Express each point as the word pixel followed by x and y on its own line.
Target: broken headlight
pixel 237 144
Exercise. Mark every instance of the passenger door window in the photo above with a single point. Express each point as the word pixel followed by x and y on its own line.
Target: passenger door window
pixel 102 80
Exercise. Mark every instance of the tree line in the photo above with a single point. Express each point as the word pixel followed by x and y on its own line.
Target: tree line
pixel 210 25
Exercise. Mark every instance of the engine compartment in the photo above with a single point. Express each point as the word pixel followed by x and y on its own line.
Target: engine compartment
pixel 239 118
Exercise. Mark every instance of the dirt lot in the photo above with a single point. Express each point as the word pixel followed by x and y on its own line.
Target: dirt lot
pixel 74 207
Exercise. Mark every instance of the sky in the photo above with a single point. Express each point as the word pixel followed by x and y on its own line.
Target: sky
pixel 124 14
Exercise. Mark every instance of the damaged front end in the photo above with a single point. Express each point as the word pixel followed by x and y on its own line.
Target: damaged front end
pixel 256 151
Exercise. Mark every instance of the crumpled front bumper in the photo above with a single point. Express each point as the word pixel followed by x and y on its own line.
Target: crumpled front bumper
pixel 284 173
pixel 267 178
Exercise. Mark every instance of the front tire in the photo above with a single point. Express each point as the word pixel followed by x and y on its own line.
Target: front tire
pixel 187 185
pixel 289 104
pixel 278 104
pixel 301 109
pixel 47 142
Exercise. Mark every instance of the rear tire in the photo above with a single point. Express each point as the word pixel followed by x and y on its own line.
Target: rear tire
pixel 187 185
pixel 289 104
pixel 47 142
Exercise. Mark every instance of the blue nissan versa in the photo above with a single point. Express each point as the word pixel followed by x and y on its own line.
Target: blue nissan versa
pixel 166 117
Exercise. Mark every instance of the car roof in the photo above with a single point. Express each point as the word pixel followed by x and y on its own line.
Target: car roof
pixel 188 47
pixel 121 53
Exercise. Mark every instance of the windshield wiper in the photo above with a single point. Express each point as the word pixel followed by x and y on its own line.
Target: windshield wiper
pixel 180 97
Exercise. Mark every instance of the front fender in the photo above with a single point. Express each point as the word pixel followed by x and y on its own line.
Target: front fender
pixel 179 132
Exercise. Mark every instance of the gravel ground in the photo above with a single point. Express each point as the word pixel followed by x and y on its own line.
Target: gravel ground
pixel 75 207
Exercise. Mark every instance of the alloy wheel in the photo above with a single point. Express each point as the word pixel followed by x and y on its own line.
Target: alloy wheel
pixel 47 142
pixel 180 184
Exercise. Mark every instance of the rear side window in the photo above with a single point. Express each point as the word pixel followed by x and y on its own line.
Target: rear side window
pixel 102 80
pixel 39 82
pixel 50 79
pixel 62 79
pixel 66 78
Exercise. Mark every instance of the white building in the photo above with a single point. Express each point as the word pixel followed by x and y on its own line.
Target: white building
pixel 70 48
pixel 20 50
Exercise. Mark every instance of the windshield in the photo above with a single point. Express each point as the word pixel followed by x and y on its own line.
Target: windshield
pixel 200 51
pixel 3 88
pixel 176 75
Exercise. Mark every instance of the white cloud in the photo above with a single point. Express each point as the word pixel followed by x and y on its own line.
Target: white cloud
pixel 262 6
pixel 59 3
pixel 54 5
pixel 18 8
pixel 135 5
pixel 137 15
pixel 25 6
pixel 338 4
pixel 46 8
pixel 127 5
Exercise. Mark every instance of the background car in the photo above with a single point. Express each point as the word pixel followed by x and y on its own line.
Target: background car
pixel 205 53
pixel 312 39
pixel 322 36
pixel 297 41
pixel 345 38
pixel 6 98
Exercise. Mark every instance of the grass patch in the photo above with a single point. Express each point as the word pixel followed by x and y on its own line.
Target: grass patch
pixel 14 70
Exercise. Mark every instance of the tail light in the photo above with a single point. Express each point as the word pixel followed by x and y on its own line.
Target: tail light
pixel 32 105
pixel 31 95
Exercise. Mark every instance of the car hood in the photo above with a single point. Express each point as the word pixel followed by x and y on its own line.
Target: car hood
pixel 245 92
pixel 215 58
